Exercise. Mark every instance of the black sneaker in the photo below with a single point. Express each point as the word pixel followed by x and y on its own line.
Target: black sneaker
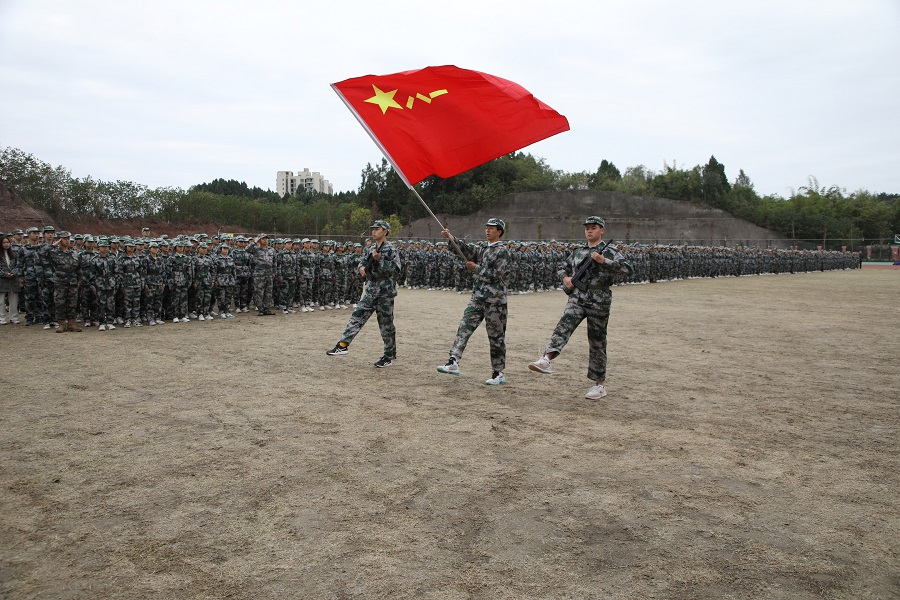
pixel 339 350
pixel 383 362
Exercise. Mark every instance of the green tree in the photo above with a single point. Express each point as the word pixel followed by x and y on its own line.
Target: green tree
pixel 715 184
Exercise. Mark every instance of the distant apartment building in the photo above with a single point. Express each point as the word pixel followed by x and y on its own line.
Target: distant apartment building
pixel 288 183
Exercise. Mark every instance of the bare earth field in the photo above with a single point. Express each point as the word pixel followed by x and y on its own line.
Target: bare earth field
pixel 748 449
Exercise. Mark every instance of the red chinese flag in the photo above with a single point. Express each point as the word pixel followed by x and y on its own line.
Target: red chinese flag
pixel 446 120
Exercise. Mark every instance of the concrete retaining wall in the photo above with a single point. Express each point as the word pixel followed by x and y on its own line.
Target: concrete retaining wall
pixel 559 215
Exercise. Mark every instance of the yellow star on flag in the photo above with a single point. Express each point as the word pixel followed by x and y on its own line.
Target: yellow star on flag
pixel 384 100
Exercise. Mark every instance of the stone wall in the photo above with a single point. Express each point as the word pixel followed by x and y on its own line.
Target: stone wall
pixel 559 215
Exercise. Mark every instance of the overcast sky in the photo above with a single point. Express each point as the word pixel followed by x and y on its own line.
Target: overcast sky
pixel 174 93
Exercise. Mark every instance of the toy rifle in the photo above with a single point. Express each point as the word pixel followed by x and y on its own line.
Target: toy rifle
pixel 583 270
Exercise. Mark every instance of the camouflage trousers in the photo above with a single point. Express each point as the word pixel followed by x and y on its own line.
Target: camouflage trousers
pixel 286 292
pixel 494 317
pixel 242 292
pixel 65 301
pixel 106 306
pixel 262 291
pixel 224 294
pixel 305 289
pixel 31 292
pixel 179 301
pixel 48 302
pixel 154 300
pixel 132 302
pixel 384 308
pixel 597 315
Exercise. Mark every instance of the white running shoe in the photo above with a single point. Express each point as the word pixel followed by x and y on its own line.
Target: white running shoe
pixel 452 367
pixel 101 328
pixel 596 392
pixel 110 326
pixel 201 318
pixel 541 365
pixel 176 320
pixel 496 379
pixel 152 322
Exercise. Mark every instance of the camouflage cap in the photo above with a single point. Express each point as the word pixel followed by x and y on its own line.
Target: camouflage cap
pixel 495 222
pixel 383 224
pixel 63 234
pixel 49 228
pixel 17 232
pixel 32 230
pixel 103 244
pixel 595 221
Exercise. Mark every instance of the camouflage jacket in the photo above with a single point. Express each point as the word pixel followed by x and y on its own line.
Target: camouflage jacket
pixel 131 271
pixel 600 276
pixel 156 270
pixel 204 270
pixel 492 263
pixel 381 274
pixel 30 266
pixel 64 264
pixel 225 271
pixel 181 270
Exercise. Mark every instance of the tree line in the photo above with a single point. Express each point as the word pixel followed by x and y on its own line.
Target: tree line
pixel 811 212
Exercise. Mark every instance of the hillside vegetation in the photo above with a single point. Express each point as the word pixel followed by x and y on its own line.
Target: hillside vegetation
pixel 811 212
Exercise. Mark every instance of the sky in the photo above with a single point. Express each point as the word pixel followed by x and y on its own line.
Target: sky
pixel 176 93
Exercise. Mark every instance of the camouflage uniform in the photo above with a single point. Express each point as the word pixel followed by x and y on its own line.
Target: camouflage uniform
pixel 592 304
pixel 225 282
pixel 381 289
pixel 286 277
pixel 488 301
pixel 103 279
pixel 131 276
pixel 263 276
pixel 66 268
pixel 204 276
pixel 242 276
pixel 155 284
pixel 181 273
pixel 31 271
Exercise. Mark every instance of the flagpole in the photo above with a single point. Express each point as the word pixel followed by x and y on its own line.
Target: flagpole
pixel 397 169
pixel 456 247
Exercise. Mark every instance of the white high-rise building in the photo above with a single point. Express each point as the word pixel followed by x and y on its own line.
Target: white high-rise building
pixel 288 183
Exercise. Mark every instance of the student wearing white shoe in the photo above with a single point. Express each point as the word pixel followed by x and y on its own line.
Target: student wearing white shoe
pixel 586 275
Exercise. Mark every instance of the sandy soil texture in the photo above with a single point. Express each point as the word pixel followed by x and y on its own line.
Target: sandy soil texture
pixel 748 449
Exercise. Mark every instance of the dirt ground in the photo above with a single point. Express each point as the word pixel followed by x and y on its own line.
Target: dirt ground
pixel 748 448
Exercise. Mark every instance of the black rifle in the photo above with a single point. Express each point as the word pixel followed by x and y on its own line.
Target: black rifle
pixel 371 266
pixel 583 270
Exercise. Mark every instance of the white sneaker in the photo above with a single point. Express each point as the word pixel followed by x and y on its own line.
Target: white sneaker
pixel 201 318
pixel 596 392
pixel 152 322
pixel 176 320
pixel 101 328
pixel 209 317
pixel 541 365
pixel 110 327
pixel 497 379
pixel 452 367
pixel 127 324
